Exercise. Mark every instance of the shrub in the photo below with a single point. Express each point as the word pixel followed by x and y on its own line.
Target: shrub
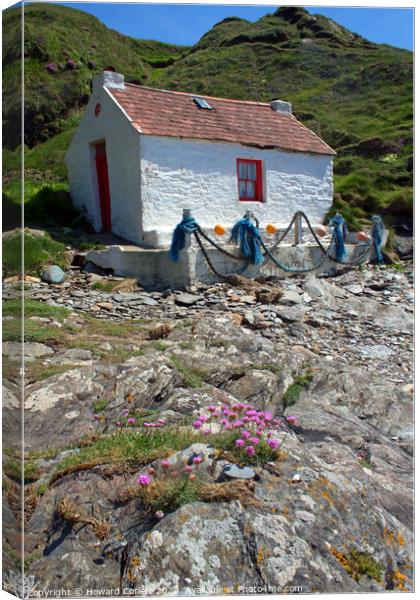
pixel 50 205
pixel 291 395
pixel 39 250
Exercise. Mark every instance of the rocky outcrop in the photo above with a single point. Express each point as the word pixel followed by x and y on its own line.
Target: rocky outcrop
pixel 332 513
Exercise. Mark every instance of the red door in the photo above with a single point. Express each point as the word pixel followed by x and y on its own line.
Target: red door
pixel 103 186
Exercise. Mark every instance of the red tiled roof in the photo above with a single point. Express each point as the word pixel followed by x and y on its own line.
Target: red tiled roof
pixel 175 114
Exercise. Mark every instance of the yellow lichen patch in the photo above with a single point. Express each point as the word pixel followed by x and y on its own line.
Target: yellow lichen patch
pixel 135 561
pixel 327 497
pixel 392 537
pixel 399 580
pixel 262 555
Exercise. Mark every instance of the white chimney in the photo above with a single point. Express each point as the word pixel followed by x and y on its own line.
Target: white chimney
pixel 109 79
pixel 281 106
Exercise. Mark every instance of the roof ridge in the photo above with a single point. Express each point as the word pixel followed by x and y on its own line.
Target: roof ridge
pixel 198 95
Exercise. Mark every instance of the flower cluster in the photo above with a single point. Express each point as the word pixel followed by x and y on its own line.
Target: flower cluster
pixel 165 472
pixel 254 427
pixel 128 419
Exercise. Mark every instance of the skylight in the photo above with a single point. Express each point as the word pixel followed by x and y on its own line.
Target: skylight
pixel 201 103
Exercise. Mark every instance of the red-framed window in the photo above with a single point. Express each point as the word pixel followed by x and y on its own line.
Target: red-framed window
pixel 250 184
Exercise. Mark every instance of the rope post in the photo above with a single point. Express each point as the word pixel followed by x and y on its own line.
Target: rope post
pixel 298 229
pixel 186 214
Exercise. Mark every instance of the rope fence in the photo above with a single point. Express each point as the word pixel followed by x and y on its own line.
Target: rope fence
pixel 254 251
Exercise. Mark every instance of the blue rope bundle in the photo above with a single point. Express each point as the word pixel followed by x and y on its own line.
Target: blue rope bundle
pixel 378 233
pixel 187 225
pixel 247 236
pixel 339 236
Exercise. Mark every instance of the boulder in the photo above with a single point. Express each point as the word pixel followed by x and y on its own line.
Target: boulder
pixel 53 274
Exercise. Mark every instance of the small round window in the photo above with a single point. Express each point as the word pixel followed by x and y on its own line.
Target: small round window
pixel 97 109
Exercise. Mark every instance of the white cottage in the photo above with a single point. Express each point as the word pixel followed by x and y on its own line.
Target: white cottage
pixel 142 155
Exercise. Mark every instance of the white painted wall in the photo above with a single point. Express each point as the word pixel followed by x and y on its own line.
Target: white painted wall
pixel 122 144
pixel 201 175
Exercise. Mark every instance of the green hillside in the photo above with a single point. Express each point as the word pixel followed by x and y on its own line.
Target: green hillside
pixel 356 94
pixel 63 48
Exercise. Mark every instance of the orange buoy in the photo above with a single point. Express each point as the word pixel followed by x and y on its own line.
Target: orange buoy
pixel 321 231
pixel 362 236
pixel 219 230
pixel 271 228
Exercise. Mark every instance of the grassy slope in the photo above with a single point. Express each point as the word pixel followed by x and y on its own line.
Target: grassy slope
pixel 357 95
pixel 54 34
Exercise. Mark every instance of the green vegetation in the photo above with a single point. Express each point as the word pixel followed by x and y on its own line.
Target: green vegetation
pixel 127 447
pixel 192 377
pixel 364 463
pixel 99 406
pixel 53 36
pixel 34 308
pixel 291 395
pixel 358 563
pixel 105 286
pixel 41 489
pixel 39 250
pixel 267 367
pixel 13 469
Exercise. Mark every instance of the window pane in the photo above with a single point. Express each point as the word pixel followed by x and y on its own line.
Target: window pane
pixel 250 189
pixel 252 171
pixel 242 189
pixel 242 170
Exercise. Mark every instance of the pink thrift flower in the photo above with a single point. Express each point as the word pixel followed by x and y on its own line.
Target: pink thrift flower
pixel 162 421
pixel 212 408
pixel 125 413
pixel 151 471
pixel 254 440
pixel 207 431
pixel 144 479
pixel 246 419
pixel 165 464
pixel 188 468
pixel 251 413
pixel 174 474
pixel 273 444
pixel 202 418
pixel 246 434
pixel 240 442
pixel 250 450
pixel 159 514
pixel 197 460
pixel 118 424
pixel 131 421
pixel 293 420
pixel 191 477
pixel 197 424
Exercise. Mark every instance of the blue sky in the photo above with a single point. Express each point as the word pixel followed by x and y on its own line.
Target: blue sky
pixel 185 24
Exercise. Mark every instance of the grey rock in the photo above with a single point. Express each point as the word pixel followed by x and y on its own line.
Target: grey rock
pixel 236 472
pixel 53 274
pixel 186 299
pixel 290 297
pixel 291 314
pixel 31 350
pixel 377 351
